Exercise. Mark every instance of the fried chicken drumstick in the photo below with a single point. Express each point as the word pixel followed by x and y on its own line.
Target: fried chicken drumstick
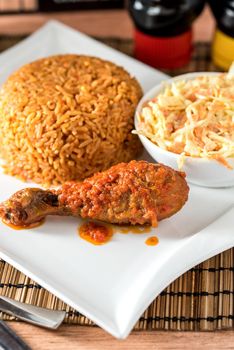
pixel 128 193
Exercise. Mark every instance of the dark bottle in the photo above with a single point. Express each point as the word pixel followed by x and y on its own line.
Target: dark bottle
pixel 223 43
pixel 163 30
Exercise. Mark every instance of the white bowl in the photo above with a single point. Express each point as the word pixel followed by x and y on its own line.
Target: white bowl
pixel 199 171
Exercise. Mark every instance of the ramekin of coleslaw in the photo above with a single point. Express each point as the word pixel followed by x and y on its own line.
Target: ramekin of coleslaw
pixel 187 123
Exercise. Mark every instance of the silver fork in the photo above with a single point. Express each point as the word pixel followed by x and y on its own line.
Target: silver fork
pixel 32 314
pixel 39 316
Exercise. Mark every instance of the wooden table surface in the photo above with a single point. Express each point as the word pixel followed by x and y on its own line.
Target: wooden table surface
pixel 71 337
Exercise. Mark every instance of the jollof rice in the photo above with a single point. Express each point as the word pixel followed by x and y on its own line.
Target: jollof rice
pixel 66 117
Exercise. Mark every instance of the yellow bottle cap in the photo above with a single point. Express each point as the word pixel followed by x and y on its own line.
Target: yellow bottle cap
pixel 222 50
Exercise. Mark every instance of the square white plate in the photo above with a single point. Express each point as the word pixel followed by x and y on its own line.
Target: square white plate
pixel 111 284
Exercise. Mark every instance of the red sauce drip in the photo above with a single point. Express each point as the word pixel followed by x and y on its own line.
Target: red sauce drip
pixel 95 233
pixel 152 240
pixel 24 227
pixel 133 229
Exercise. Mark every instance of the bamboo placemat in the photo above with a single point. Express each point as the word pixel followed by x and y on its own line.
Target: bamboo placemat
pixel 201 299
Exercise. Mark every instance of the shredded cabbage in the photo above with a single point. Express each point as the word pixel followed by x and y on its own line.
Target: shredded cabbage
pixel 193 118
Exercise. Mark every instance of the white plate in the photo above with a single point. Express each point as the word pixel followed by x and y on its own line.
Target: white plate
pixel 114 283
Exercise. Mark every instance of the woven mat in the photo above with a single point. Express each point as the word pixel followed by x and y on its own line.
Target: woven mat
pixel 201 299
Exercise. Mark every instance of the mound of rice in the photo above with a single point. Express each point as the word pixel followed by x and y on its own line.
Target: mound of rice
pixel 66 117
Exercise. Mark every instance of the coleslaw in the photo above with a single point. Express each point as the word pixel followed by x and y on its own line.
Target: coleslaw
pixel 193 118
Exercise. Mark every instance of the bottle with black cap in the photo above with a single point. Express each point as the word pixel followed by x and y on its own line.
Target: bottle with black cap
pixel 223 43
pixel 163 34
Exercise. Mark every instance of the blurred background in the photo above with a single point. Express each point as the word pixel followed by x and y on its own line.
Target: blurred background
pixel 94 17
pixel 165 34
